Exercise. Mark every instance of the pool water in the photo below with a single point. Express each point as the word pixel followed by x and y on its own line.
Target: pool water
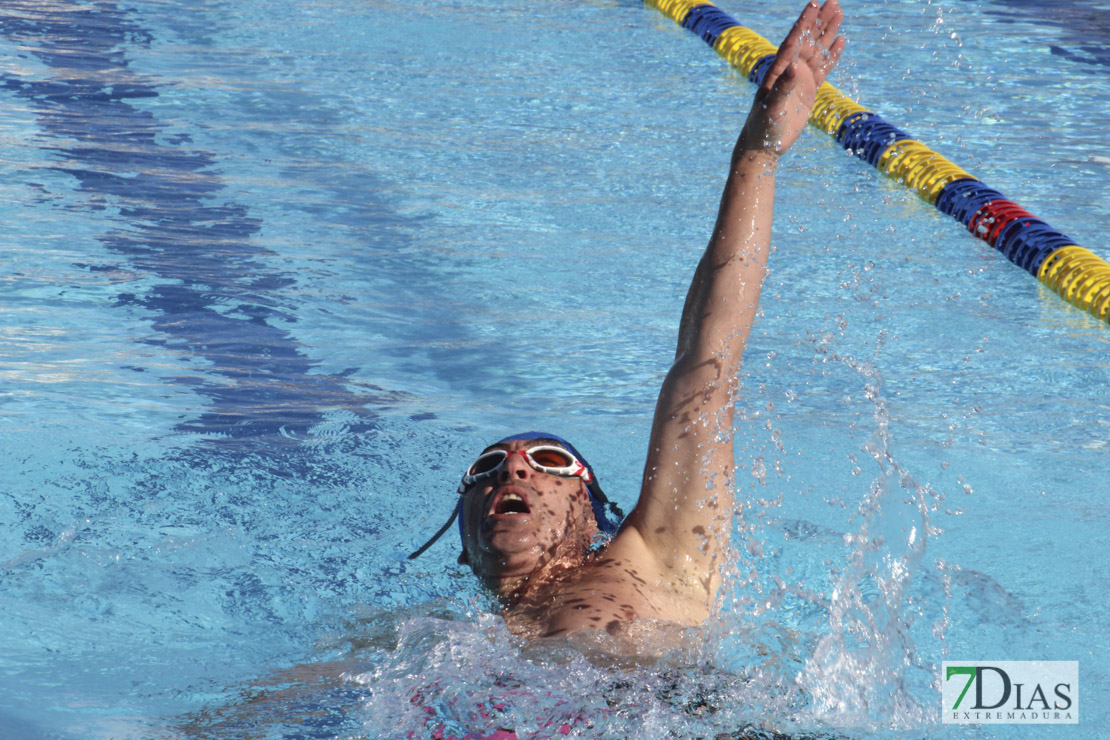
pixel 273 272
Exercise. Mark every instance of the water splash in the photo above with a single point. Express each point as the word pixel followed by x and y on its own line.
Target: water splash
pixel 460 673
pixel 866 671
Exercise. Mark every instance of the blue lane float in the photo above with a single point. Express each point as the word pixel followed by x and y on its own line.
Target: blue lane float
pixel 1076 274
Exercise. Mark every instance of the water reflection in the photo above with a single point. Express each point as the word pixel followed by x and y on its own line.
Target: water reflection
pixel 216 297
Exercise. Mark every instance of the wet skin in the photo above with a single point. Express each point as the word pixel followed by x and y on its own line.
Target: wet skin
pixel 527 534
pixel 519 519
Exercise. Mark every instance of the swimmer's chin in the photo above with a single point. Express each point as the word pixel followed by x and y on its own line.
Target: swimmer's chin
pixel 505 572
pixel 507 542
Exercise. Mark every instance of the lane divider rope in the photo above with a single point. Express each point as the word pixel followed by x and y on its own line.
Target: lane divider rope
pixel 1077 275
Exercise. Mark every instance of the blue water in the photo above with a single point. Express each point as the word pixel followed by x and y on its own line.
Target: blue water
pixel 271 273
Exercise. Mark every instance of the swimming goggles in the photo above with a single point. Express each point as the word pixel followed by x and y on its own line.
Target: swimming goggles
pixel 550 459
pixel 557 459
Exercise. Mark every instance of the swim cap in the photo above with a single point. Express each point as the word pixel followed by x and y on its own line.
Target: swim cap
pixel 606 513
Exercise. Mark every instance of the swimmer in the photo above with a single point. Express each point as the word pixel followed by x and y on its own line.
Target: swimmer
pixel 531 509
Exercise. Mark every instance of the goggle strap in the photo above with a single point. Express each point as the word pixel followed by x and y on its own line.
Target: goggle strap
pixel 442 531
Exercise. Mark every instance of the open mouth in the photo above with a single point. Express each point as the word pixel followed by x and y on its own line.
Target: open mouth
pixel 511 503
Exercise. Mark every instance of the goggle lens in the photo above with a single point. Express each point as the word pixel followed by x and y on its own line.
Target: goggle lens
pixel 487 463
pixel 551 457
pixel 544 458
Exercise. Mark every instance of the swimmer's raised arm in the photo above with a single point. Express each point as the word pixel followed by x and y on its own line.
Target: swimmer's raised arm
pixel 684 513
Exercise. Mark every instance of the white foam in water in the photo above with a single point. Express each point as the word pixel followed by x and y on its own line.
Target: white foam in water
pixel 858 673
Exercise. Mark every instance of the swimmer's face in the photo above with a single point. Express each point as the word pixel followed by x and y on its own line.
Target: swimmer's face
pixel 518 518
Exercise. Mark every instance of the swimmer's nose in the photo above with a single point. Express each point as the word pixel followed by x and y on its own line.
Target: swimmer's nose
pixel 516 467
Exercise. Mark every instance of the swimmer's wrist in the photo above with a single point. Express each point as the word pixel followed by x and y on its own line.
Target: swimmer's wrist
pixel 758 156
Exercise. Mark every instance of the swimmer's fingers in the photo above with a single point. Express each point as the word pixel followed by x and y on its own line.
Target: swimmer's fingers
pixel 787 93
pixel 829 45
pixel 829 60
pixel 812 40
pixel 791 46
pixel 829 20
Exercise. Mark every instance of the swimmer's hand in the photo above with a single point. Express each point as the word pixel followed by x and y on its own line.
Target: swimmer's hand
pixel 784 100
